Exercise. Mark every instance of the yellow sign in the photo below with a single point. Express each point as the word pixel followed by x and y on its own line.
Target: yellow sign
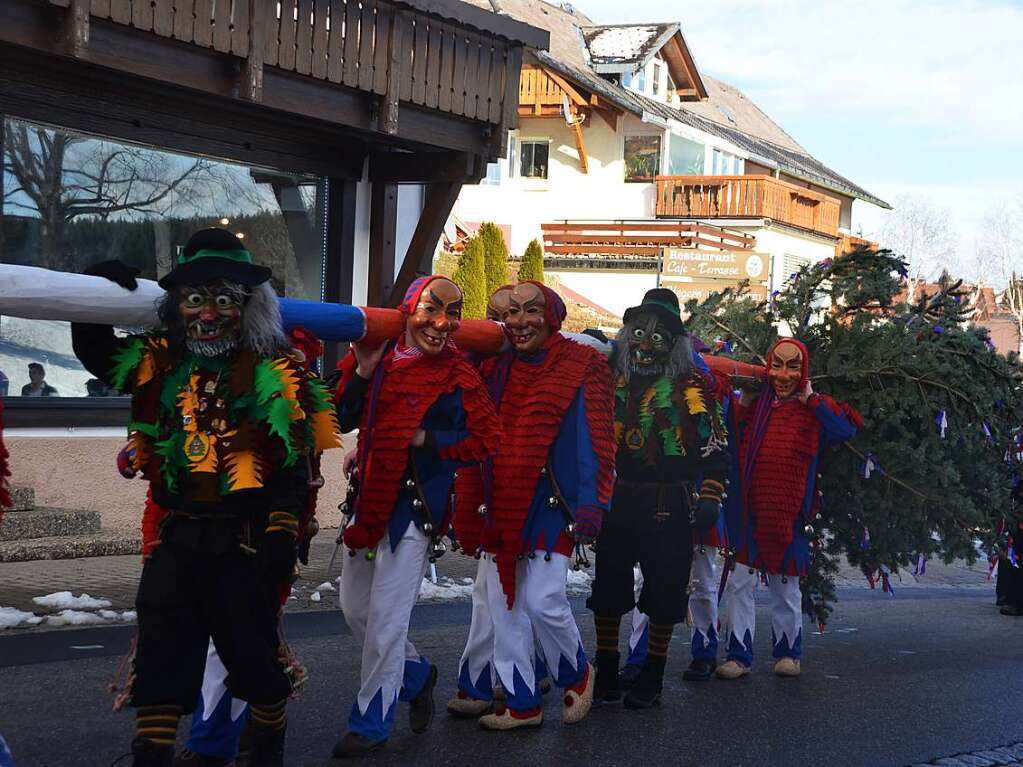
pixel 686 291
pixel 715 265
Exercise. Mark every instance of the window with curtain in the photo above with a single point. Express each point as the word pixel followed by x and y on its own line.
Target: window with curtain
pixel 685 157
pixel 69 200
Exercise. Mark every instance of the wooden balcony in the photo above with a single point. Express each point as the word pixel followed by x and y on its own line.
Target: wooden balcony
pixel 747 197
pixel 432 72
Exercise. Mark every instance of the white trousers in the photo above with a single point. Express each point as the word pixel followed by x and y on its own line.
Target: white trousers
pixel 740 614
pixel 703 608
pixel 539 622
pixel 377 598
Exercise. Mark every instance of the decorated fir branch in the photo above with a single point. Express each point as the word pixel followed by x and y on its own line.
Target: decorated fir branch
pixel 941 407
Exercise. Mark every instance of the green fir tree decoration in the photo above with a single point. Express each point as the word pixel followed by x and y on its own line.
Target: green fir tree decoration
pixel 470 276
pixel 495 256
pixel 531 267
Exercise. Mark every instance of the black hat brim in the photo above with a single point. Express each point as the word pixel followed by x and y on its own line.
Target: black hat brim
pixel 211 269
pixel 670 319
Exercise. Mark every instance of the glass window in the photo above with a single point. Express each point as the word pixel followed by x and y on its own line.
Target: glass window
pixel 493 176
pixel 627 79
pixel 641 80
pixel 657 78
pixel 69 200
pixel 685 157
pixel 725 164
pixel 533 156
pixel 642 158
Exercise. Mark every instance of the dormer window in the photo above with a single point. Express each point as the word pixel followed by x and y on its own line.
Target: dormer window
pixel 657 78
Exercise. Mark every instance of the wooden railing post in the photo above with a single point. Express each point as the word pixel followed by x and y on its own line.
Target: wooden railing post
pixel 75 28
pixel 388 120
pixel 252 69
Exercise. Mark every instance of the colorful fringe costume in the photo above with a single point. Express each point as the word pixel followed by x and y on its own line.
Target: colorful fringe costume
pixel 780 446
pixel 403 504
pixel 554 468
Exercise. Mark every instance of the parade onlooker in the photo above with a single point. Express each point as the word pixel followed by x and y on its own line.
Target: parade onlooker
pixel 37 386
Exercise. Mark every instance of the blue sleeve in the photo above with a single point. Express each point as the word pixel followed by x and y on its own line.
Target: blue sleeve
pixel 835 427
pixel 453 426
pixel 589 464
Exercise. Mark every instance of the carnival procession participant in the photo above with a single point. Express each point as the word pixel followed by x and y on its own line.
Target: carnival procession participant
pixel 784 430
pixel 543 494
pixel 422 411
pixel 223 424
pixel 668 434
pixel 708 546
pixel 217 733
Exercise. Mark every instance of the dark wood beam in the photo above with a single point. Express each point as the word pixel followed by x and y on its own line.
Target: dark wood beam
pixel 75 28
pixel 131 58
pixel 425 167
pixel 383 225
pixel 465 13
pixel 440 199
pixel 250 84
pixel 339 269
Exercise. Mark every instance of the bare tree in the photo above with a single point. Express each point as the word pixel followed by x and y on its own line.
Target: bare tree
pixel 1000 257
pixel 60 176
pixel 920 232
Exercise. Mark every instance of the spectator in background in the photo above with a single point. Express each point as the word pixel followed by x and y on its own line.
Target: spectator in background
pixel 96 388
pixel 37 386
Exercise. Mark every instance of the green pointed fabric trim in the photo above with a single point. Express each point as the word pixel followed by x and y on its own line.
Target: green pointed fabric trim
pixel 149 429
pixel 126 361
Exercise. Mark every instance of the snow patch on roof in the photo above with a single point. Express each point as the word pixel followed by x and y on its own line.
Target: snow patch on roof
pixel 620 44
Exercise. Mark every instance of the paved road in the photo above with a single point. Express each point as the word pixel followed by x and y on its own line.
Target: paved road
pixel 894 682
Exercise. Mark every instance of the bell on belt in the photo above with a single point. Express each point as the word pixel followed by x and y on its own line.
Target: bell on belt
pixel 808 530
pixel 416 503
pixel 427 528
pixel 552 501
pixel 410 483
pixel 482 510
pixel 570 528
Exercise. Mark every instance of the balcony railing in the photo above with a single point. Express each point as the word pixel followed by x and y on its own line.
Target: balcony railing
pixel 747 197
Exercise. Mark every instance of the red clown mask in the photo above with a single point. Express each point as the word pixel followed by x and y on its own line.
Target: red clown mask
pixel 434 308
pixel 788 367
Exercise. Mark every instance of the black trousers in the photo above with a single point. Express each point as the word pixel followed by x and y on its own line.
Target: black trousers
pixel 1009 586
pixel 188 595
pixel 647 525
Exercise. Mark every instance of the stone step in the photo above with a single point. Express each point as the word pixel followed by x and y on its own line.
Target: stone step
pixel 48 523
pixel 106 543
pixel 22 498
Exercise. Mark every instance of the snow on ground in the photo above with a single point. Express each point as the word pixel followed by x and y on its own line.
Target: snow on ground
pixel 65 600
pixel 315 596
pixel 325 586
pixel 11 618
pixel 445 590
pixel 579 581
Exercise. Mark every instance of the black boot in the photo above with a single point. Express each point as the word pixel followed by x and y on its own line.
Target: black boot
pixel 267 748
pixel 646 693
pixel 1012 609
pixel 192 759
pixel 700 670
pixel 353 745
pixel 146 753
pixel 605 687
pixel 628 675
pixel 420 712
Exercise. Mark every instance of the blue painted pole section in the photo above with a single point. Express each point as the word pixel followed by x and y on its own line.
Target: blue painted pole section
pixel 329 322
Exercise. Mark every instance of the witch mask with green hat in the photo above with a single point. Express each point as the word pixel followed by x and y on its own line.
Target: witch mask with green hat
pixel 653 341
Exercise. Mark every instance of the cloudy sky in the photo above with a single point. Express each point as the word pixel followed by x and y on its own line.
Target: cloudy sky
pixel 905 97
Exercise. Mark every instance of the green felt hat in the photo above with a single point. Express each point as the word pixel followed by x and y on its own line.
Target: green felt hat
pixel 215 254
pixel 664 304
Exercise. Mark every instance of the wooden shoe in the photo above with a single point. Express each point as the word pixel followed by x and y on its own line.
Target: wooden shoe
pixel 787 667
pixel 731 669
pixel 506 719
pixel 462 706
pixel 578 698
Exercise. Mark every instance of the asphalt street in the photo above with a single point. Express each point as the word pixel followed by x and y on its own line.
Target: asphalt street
pixel 893 682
